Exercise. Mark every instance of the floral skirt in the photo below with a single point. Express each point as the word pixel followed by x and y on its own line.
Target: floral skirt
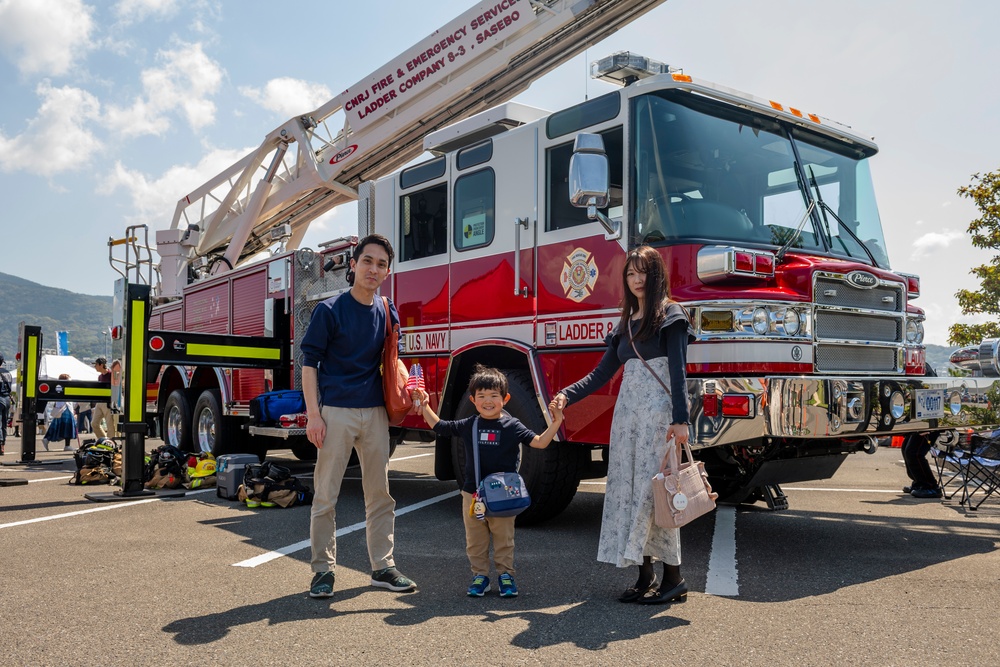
pixel 638 445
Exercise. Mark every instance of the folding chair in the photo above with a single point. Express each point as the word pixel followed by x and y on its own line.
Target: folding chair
pixel 950 459
pixel 982 471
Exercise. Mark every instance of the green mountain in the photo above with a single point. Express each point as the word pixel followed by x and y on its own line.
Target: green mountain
pixel 84 317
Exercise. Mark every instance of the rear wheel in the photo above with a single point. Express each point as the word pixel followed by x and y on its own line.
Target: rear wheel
pixel 177 420
pixel 211 430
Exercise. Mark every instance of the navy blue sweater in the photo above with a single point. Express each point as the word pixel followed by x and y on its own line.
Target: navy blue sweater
pixel 344 344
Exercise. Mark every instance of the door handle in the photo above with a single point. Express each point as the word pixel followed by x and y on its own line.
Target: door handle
pixel 518 223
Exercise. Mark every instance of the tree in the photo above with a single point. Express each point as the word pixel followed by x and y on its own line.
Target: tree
pixel 984 191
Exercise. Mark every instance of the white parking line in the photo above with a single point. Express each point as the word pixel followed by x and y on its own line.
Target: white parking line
pixel 723 579
pixel 304 544
pixel 103 508
pixel 49 479
pixel 804 488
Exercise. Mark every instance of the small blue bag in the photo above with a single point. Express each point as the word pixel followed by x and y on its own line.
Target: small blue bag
pixel 267 408
pixel 503 493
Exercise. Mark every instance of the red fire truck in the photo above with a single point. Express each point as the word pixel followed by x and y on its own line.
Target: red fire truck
pixel 511 240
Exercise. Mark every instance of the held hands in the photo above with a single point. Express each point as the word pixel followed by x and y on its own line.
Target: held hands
pixel 557 410
pixel 560 401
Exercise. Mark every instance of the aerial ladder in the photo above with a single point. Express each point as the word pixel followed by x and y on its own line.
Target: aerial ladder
pixel 315 162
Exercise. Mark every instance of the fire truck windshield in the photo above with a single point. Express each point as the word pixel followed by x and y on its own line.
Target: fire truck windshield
pixel 704 171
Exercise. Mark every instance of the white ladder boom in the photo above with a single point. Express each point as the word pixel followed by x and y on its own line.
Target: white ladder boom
pixel 314 162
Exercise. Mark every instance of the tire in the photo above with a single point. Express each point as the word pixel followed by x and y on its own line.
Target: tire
pixel 210 430
pixel 551 474
pixel 177 420
pixel 302 449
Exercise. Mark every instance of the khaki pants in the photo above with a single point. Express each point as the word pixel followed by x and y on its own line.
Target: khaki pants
pixel 477 540
pixel 102 412
pixel 367 431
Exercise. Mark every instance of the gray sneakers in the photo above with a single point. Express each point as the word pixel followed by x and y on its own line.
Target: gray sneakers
pixel 322 585
pixel 392 579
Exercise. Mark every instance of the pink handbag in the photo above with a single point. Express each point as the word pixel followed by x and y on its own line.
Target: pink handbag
pixel 681 492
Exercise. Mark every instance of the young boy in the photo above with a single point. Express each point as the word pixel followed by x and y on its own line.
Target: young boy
pixel 500 437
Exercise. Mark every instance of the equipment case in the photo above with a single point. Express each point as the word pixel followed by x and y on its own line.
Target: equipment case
pixel 229 469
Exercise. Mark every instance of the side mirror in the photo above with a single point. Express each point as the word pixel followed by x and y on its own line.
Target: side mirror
pixel 589 179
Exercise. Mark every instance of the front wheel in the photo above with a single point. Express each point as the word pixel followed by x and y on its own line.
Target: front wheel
pixel 177 420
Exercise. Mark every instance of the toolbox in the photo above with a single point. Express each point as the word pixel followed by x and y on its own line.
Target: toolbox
pixel 229 469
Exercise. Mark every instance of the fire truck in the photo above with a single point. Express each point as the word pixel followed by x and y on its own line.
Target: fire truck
pixel 511 239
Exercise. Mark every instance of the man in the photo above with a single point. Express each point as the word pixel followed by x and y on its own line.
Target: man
pixel 6 382
pixel 102 411
pixel 342 351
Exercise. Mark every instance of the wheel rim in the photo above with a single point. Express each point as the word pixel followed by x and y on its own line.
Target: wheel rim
pixel 174 426
pixel 206 430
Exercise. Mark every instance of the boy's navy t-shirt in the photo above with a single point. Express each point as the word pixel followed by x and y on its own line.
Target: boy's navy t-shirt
pixel 499 441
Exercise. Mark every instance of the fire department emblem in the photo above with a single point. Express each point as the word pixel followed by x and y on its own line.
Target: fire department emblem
pixel 579 275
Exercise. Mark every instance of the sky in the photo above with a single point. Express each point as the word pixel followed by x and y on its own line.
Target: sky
pixel 112 111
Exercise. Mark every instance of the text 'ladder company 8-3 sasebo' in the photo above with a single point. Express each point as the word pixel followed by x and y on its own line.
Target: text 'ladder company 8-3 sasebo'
pixel 511 238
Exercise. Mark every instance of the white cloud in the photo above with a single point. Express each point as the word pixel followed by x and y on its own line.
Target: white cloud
pixel 45 37
pixel 57 139
pixel 154 199
pixel 287 96
pixel 185 84
pixel 923 245
pixel 137 10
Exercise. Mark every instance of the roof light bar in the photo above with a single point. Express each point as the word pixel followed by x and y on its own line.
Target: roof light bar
pixel 624 68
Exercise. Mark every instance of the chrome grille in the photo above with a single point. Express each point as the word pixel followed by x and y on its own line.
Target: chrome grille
pixel 844 313
pixel 832 291
pixel 848 358
pixel 837 325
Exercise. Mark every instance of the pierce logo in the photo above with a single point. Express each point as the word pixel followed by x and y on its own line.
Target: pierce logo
pixel 344 154
pixel 862 279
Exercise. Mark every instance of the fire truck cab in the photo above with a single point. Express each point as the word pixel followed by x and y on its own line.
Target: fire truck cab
pixel 512 238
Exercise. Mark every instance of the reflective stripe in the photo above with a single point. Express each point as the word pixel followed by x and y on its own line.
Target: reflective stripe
pixel 233 351
pixel 73 391
pixel 136 403
pixel 31 368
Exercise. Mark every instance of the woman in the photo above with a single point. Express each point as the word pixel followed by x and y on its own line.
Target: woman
pixel 645 419
pixel 63 423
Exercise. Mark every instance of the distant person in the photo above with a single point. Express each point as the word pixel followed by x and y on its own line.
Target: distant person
pixel 84 415
pixel 500 437
pixel 923 481
pixel 104 423
pixel 63 423
pixel 6 383
pixel 345 410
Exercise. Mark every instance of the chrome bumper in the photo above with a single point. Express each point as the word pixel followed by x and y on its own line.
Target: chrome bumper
pixel 834 407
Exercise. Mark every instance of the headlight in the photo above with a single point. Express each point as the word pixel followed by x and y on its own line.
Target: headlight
pixel 790 322
pixel 911 331
pixel 760 321
pixel 920 331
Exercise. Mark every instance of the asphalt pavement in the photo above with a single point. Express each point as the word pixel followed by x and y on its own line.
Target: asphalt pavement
pixel 853 573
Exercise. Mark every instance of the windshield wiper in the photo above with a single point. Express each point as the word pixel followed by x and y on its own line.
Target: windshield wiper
pixel 798 230
pixel 854 236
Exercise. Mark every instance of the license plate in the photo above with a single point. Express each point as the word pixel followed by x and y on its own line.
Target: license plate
pixel 930 403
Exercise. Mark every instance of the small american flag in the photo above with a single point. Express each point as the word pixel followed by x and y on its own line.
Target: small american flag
pixel 416 380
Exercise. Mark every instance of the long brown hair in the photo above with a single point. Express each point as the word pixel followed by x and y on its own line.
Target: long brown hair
pixel 645 260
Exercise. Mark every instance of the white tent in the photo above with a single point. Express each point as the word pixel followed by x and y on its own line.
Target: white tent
pixel 53 365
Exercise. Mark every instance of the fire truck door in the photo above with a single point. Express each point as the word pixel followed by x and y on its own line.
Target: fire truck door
pixel 494 228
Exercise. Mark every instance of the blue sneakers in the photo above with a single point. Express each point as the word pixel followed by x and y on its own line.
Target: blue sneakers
pixel 480 586
pixel 508 589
